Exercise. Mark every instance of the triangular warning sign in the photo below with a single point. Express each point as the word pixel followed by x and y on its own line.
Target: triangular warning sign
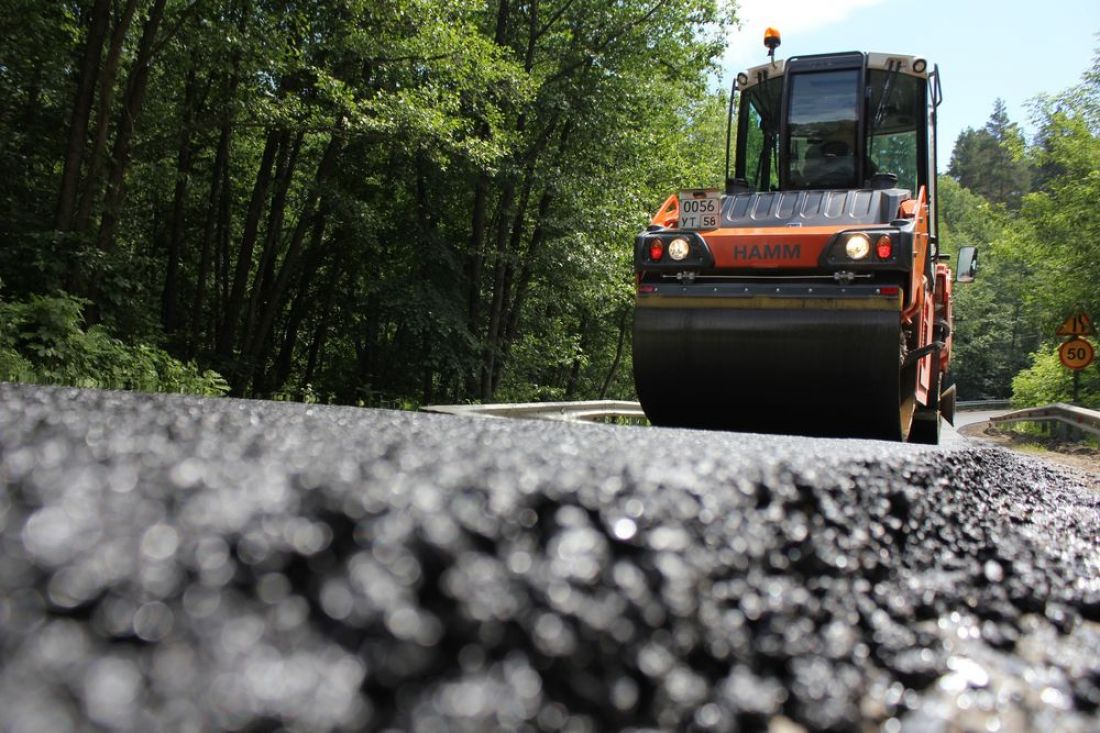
pixel 1079 324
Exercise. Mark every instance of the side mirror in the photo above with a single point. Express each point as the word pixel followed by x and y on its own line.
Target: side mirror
pixel 967 269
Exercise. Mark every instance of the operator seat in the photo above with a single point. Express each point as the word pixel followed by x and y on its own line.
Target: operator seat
pixel 829 164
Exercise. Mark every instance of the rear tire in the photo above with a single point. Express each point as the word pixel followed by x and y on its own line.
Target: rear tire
pixel 926 422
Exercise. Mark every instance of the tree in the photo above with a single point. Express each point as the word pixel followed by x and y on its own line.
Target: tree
pixel 1063 249
pixel 990 161
pixel 377 201
pixel 996 325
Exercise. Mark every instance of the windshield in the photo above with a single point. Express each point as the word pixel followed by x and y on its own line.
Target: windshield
pixel 823 127
pixel 822 148
pixel 758 136
pixel 896 114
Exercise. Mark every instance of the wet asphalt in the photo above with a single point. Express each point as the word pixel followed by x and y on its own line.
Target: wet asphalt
pixel 175 563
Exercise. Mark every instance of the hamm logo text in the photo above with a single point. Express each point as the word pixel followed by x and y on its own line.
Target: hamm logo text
pixel 767 251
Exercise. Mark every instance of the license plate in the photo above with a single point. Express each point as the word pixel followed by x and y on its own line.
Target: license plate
pixel 700 209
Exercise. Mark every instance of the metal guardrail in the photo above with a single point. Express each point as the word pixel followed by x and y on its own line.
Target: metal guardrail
pixel 591 411
pixel 1078 417
pixel 983 405
pixel 599 410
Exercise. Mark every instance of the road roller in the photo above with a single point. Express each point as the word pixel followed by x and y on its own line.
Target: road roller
pixel 810 296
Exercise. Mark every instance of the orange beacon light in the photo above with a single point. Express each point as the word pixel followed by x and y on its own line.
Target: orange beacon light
pixel 772 41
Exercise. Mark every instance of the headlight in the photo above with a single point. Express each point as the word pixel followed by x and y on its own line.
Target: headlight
pixel 858 246
pixel 679 249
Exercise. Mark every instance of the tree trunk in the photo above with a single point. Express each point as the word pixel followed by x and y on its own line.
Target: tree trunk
pixel 496 308
pixel 506 326
pixel 222 262
pixel 575 369
pixel 475 262
pixel 82 110
pixel 504 265
pixel 294 251
pixel 317 343
pixel 170 296
pixel 534 247
pixel 261 377
pixel 284 362
pixel 526 270
pixel 367 347
pixel 135 97
pixel 234 304
pixel 265 276
pixel 107 80
pixel 623 318
pixel 221 160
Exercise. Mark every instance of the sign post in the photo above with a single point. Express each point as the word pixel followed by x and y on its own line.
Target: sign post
pixel 1076 353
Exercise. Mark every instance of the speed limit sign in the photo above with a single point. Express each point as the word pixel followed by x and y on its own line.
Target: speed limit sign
pixel 1076 354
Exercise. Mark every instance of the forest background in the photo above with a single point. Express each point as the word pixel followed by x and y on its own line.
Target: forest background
pixel 398 202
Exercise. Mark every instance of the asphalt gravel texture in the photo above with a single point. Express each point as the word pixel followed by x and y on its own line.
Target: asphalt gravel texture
pixel 176 563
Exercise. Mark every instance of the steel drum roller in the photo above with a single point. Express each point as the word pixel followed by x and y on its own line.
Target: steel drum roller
pixel 828 372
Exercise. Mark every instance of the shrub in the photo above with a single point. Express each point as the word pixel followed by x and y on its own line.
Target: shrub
pixel 1047 381
pixel 42 341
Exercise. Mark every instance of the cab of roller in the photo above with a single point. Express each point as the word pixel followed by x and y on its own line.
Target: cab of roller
pixel 835 122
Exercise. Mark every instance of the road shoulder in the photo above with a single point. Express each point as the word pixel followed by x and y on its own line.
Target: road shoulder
pixel 1082 460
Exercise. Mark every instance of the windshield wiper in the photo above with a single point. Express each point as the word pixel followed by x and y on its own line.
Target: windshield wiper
pixel 893 69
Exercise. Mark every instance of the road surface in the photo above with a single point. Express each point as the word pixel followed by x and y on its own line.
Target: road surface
pixel 969 417
pixel 175 563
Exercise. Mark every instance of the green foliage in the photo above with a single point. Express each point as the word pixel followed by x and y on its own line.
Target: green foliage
pixel 996 326
pixel 990 161
pixel 1063 242
pixel 378 202
pixel 1040 248
pixel 1065 248
pixel 1047 381
pixel 42 341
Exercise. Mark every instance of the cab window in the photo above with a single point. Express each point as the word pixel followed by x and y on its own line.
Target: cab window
pixel 894 117
pixel 823 129
pixel 758 135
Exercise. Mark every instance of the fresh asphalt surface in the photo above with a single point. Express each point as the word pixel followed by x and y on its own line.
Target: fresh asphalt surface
pixel 174 563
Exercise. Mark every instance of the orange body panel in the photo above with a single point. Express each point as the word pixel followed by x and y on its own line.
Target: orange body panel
pixel 769 248
pixel 669 213
pixel 773 249
pixel 944 311
pixel 920 258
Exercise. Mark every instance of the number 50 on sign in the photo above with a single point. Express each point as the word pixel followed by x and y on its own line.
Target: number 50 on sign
pixel 1076 354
